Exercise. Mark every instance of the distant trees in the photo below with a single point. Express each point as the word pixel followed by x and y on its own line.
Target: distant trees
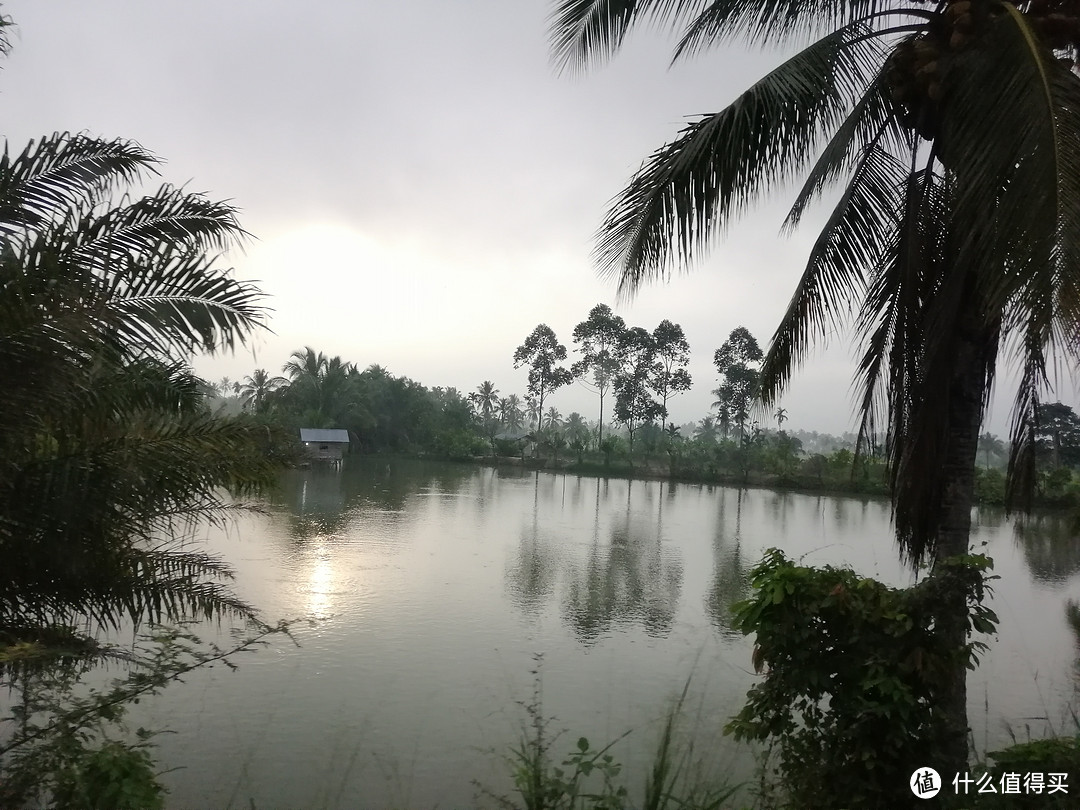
pixel 617 358
pixel 510 413
pixel 542 353
pixel 598 339
pixel 485 399
pixel 321 388
pixel 634 404
pixel 738 362
pixel 257 388
pixel 990 445
pixel 1057 431
pixel 669 375
pixel 706 431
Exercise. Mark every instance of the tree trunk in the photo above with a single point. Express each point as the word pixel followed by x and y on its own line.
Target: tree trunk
pixel 600 423
pixel 976 348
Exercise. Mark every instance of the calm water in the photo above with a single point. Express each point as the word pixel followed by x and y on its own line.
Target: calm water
pixel 434 588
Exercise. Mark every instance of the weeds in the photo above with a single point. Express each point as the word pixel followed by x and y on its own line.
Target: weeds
pixel 589 778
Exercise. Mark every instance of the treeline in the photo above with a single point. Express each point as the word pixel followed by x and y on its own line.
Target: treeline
pixel 382 412
pixel 634 374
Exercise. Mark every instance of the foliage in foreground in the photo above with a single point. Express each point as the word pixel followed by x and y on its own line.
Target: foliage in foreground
pixel 108 454
pixel 853 671
pixel 67 744
pixel 589 778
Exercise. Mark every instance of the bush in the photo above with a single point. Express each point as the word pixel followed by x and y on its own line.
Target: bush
pixel 853 673
pixel 1055 755
pixel 990 487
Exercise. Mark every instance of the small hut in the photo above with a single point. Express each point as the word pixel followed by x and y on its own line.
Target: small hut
pixel 324 445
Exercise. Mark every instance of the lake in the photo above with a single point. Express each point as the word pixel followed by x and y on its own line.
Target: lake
pixel 441 596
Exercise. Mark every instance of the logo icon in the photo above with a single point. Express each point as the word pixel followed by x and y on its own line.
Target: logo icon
pixel 925 783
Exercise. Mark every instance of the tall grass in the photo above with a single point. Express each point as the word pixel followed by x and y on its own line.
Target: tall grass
pixel 589 778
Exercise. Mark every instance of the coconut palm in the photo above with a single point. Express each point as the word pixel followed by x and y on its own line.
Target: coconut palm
pixel 320 385
pixel 554 418
pixel 953 130
pixel 486 400
pixel 510 413
pixel 723 411
pixel 257 387
pixel 706 430
pixel 576 427
pixel 227 388
pixel 532 411
pixel 107 448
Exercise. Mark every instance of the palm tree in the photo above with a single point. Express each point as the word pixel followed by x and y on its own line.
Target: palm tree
pixel 954 130
pixel 532 411
pixel 576 427
pixel 781 417
pixel 227 388
pixel 554 418
pixel 706 430
pixel 320 384
pixel 989 444
pixel 510 412
pixel 486 400
pixel 257 387
pixel 105 441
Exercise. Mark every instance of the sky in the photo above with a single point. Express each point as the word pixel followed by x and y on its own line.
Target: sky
pixel 422 185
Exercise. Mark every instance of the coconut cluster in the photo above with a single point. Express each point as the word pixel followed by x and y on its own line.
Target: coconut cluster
pixel 917 69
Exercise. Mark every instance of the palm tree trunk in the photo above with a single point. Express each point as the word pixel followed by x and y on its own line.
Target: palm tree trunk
pixel 976 350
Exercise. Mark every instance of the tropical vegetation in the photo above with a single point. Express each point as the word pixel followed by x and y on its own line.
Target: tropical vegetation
pixel 953 131
pixel 112 459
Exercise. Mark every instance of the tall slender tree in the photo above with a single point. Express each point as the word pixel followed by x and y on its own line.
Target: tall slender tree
pixel 669 375
pixel 542 353
pixel 485 399
pixel 597 338
pixel 954 130
pixel 634 404
pixel 737 362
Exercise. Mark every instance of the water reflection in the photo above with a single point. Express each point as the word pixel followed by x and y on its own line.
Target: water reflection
pixel 431 570
pixel 325 500
pixel 320 583
pixel 531 574
pixel 1050 545
pixel 627 580
pixel 729 581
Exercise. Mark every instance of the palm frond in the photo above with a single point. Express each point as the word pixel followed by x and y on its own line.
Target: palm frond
pixel 1024 423
pixel 721 163
pixel 61 172
pixel 586 31
pixel 778 21
pixel 871 122
pixel 856 237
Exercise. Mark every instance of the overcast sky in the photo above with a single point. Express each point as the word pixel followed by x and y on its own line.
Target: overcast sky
pixel 422 184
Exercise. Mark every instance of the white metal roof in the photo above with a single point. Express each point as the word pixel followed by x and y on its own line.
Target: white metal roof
pixel 322 435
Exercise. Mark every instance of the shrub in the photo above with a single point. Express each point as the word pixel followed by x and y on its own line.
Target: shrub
pixel 853 670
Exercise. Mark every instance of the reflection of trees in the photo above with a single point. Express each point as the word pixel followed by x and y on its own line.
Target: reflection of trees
pixel 729 583
pixel 1050 545
pixel 326 500
pixel 631 580
pixel 531 577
